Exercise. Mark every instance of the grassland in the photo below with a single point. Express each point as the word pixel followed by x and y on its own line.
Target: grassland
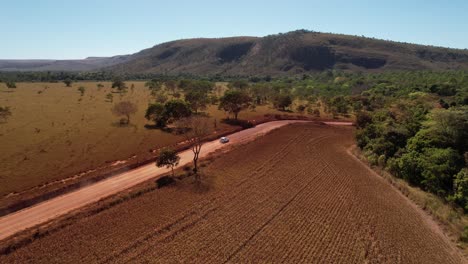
pixel 55 133
pixel 295 195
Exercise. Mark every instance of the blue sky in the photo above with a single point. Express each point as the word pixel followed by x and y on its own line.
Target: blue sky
pixel 52 29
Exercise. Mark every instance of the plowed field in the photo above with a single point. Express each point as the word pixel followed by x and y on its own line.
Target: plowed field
pixel 295 195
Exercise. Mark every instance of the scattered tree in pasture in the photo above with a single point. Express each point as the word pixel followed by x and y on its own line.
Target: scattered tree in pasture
pixel 5 113
pixel 196 130
pixel 68 82
pixel 119 84
pixel 156 113
pixel 10 85
pixel 82 90
pixel 110 97
pixel 234 101
pixel 168 158
pixel 176 109
pixel 197 100
pixel 124 108
pixel 171 111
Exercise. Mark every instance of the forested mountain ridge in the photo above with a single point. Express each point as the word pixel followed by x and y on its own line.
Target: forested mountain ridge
pixel 288 54
pixel 276 55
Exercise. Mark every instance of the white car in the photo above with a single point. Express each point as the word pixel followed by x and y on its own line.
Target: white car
pixel 224 140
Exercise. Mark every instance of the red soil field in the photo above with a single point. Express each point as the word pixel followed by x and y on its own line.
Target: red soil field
pixel 294 195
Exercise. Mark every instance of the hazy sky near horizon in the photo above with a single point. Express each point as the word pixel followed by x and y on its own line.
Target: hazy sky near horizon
pixel 70 29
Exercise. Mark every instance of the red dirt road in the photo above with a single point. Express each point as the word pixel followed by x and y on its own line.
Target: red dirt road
pixel 45 211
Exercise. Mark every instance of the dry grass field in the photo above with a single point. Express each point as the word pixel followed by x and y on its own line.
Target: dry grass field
pixel 55 133
pixel 295 195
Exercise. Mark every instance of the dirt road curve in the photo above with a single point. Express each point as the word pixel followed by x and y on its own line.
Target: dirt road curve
pixel 32 216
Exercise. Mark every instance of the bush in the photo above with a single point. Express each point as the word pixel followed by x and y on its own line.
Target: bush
pixel 123 122
pixel 236 122
pixel 164 181
pixel 381 161
pixel 464 235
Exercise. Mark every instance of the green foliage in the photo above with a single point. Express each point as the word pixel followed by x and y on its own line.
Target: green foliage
pixel 176 109
pixel 239 84
pixel 82 90
pixel 119 84
pixel 68 82
pixel 197 99
pixel 282 101
pixel 153 85
pixel 402 130
pixel 168 158
pixel 234 101
pixel 196 85
pixel 163 114
pixel 10 85
pixel 363 119
pixel 460 186
pixel 156 113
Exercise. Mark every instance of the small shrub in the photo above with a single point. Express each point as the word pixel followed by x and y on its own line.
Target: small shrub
pixel 464 235
pixel 123 122
pixel 381 161
pixel 164 181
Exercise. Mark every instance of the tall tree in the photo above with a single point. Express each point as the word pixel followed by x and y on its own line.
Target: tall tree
pixel 234 101
pixel 68 82
pixel 197 129
pixel 156 113
pixel 176 109
pixel 119 84
pixel 168 158
pixel 197 100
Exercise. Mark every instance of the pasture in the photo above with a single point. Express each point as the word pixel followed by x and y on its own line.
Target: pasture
pixel 55 132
